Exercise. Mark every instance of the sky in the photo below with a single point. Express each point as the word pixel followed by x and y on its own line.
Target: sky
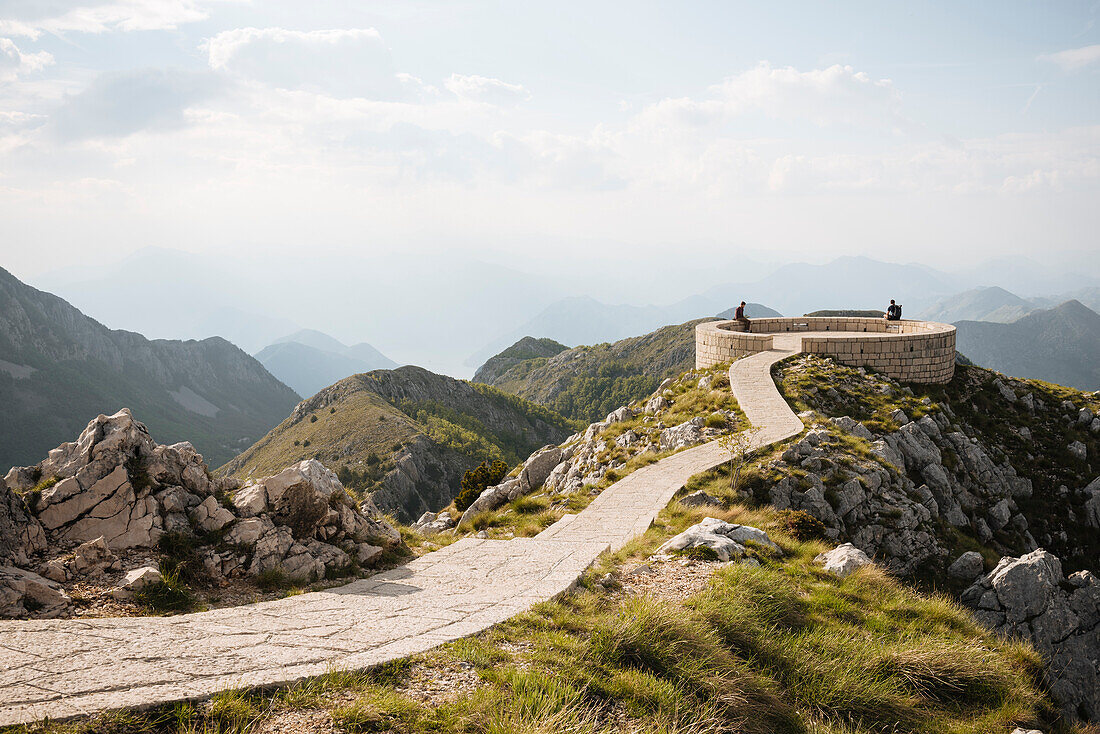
pixel 556 135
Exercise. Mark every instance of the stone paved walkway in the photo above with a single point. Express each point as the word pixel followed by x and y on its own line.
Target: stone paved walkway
pixel 66 668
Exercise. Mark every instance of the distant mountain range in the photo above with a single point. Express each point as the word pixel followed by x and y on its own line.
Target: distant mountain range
pixel 404 436
pixel 309 360
pixel 59 369
pixel 980 304
pixel 1059 345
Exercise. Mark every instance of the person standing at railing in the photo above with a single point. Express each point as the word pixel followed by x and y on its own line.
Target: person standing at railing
pixel 893 313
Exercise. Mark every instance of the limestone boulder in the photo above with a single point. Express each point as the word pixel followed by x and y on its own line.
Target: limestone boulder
pixel 843 561
pixel 967 567
pixel 137 580
pixel 248 530
pixel 656 404
pixel 24 594
pixel 209 516
pixel 726 540
pixel 852 426
pixel 93 558
pixel 688 433
pixel 700 499
pixel 624 413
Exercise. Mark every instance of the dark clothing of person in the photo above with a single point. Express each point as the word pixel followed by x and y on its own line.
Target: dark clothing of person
pixel 739 314
pixel 893 313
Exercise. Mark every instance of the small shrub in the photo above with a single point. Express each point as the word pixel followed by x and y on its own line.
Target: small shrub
pixel 332 410
pixel 313 419
pixel 166 595
pixel 179 558
pixel 305 443
pixel 297 442
pixel 475 481
pixel 801 525
pixel 715 420
pixel 273 579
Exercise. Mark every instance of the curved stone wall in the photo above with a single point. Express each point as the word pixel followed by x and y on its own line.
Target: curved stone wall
pixel 910 351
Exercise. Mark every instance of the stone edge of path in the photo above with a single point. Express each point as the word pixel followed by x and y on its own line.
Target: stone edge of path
pixel 582 538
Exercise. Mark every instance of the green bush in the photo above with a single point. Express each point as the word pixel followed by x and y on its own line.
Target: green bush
pixel 801 525
pixel 475 481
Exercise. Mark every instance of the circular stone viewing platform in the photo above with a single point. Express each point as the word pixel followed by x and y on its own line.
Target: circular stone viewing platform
pixel 909 351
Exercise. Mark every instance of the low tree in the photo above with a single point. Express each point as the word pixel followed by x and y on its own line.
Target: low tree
pixel 739 445
pixel 476 480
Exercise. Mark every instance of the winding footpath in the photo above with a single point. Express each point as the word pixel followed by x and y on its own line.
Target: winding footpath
pixel 66 668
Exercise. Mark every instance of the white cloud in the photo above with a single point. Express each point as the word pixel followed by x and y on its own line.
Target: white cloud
pixel 830 96
pixel 34 17
pixel 485 89
pixel 14 62
pixel 341 62
pixel 121 103
pixel 1073 59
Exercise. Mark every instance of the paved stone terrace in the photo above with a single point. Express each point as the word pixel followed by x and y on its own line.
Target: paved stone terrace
pixel 907 350
pixel 67 668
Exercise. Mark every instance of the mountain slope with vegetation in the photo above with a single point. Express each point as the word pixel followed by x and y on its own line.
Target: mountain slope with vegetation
pixel 588 382
pixel 60 368
pixel 404 436
pixel 1060 345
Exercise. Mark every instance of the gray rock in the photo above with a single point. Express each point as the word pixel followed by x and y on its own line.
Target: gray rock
pixel 135 581
pixel 618 416
pixel 725 539
pixel 23 594
pixel 21 535
pixel 1006 392
pixel 656 404
pixel 843 561
pixel 1078 450
pixel 688 433
pixel 1027 597
pixel 999 515
pixel 92 558
pixel 700 499
pixel 210 516
pixel 967 567
pixel 248 530
pixel 852 426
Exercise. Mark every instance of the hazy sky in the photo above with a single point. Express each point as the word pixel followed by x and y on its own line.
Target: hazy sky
pixel 542 131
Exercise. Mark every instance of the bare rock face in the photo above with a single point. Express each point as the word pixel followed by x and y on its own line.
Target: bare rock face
pixel 115 488
pixel 1029 598
pixel 109 484
pixel 21 535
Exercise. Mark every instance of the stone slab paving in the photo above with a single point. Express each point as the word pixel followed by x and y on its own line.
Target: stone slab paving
pixel 66 668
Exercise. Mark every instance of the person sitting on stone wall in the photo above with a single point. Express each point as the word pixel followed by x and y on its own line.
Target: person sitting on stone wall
pixel 893 313
pixel 740 317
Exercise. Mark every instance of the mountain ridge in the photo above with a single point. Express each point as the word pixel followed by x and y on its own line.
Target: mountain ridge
pixel 59 367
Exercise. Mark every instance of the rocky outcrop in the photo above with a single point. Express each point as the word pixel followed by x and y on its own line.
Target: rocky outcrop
pixel 1029 598
pixel 21 535
pixel 116 489
pixel 725 540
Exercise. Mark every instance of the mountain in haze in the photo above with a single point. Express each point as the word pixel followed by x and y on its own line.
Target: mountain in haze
pixel 752 311
pixel 309 360
pixel 844 283
pixel 586 383
pixel 1089 296
pixel 979 304
pixel 1059 345
pixel 200 299
pixel 404 436
pixel 584 320
pixel 59 369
